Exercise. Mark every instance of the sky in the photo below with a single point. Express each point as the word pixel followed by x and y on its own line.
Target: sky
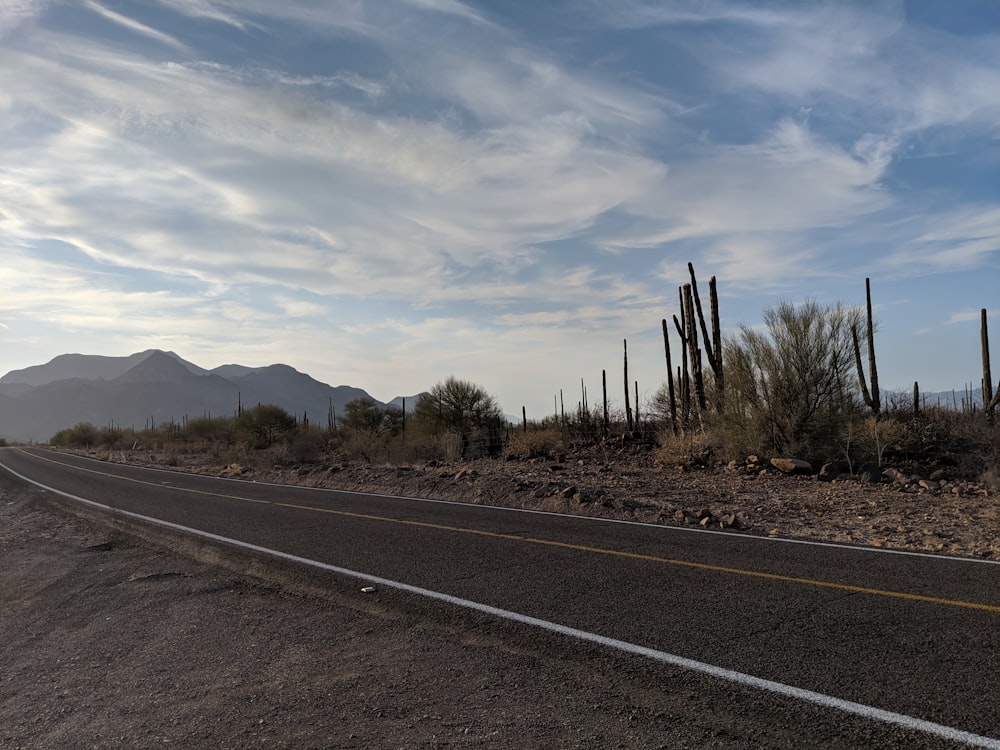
pixel 385 193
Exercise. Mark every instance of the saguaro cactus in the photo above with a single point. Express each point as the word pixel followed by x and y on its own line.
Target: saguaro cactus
pixel 990 399
pixel 713 345
pixel 628 405
pixel 694 351
pixel 670 378
pixel 871 397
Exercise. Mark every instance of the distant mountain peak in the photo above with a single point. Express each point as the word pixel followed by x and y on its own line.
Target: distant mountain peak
pixel 157 367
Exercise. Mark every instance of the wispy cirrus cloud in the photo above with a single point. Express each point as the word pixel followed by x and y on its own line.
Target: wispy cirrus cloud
pixel 406 169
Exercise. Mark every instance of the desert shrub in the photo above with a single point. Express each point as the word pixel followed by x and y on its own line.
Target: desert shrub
pixel 466 410
pixel 210 429
pixel 80 435
pixel 110 437
pixel 307 446
pixel 365 415
pixel 544 443
pixel 264 425
pixel 791 388
pixel 688 448
pixel 362 445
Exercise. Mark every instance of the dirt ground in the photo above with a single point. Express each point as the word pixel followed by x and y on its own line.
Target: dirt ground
pixel 115 636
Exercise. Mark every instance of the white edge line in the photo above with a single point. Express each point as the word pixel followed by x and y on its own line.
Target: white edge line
pixel 729 675
pixel 756 537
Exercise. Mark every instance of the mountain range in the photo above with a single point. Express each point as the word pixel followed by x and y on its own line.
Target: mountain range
pixel 154 387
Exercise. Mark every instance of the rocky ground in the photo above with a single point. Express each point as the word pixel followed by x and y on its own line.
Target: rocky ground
pixel 115 636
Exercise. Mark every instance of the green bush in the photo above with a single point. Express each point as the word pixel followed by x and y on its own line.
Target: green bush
pixel 80 435
pixel 264 425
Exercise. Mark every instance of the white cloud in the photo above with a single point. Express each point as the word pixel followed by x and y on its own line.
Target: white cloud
pixel 954 240
pixel 132 25
pixel 14 13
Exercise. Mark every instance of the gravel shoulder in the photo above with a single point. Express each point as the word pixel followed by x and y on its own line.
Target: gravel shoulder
pixel 116 636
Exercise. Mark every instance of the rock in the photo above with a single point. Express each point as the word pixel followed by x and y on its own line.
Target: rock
pixel 828 472
pixel 870 474
pixel 929 484
pixel 704 513
pixel 730 521
pixel 896 476
pixel 680 515
pixel 705 521
pixel 937 475
pixel 792 465
pixel 568 492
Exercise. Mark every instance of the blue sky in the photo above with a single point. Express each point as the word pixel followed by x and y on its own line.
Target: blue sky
pixel 382 194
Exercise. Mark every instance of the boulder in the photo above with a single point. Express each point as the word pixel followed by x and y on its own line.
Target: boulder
pixel 870 474
pixel 828 472
pixel 896 476
pixel 792 465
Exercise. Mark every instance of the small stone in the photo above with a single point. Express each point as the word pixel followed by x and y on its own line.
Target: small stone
pixel 929 484
pixel 568 492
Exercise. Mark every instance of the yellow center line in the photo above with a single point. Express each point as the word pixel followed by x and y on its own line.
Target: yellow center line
pixel 579 547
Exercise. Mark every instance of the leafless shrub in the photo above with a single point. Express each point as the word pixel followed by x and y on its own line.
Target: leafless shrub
pixel 546 443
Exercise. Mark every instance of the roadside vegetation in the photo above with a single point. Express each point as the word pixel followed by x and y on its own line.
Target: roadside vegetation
pixel 796 388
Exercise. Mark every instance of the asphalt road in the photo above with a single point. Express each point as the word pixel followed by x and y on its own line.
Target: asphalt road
pixel 914 635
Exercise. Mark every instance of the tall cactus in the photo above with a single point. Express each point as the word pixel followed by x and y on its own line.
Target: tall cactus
pixel 871 397
pixel 670 378
pixel 713 345
pixel 628 406
pixel 990 399
pixel 694 351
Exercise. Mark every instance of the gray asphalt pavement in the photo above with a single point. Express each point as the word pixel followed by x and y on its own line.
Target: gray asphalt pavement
pixel 916 635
